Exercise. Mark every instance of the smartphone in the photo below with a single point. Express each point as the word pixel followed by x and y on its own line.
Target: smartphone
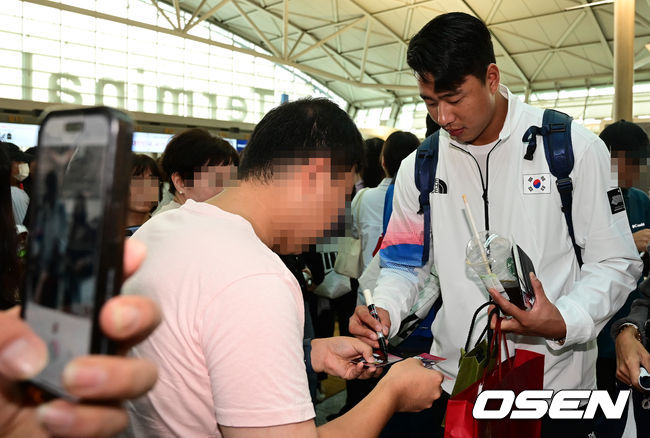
pixel 76 238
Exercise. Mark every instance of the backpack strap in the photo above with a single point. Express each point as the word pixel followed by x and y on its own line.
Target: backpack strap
pixel 426 162
pixel 558 148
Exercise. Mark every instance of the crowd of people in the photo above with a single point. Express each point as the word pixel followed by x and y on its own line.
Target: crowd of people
pixel 222 322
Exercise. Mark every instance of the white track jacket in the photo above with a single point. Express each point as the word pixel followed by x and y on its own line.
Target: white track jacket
pixel 585 297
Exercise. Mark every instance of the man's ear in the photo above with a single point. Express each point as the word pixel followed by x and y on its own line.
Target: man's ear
pixel 178 182
pixel 493 78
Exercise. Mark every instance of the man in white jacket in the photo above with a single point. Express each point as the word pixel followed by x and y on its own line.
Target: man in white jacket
pixel 481 156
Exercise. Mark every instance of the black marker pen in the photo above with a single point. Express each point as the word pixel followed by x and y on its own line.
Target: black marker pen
pixel 373 311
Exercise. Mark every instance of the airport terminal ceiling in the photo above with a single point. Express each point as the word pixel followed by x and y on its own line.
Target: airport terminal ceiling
pixel 353 51
pixel 357 47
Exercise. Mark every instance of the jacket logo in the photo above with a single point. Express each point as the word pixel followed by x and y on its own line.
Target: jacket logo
pixel 534 184
pixel 439 186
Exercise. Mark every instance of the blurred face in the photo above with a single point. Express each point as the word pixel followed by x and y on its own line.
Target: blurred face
pixel 143 192
pixel 316 202
pixel 19 172
pixel 466 113
pixel 209 181
pixel 626 169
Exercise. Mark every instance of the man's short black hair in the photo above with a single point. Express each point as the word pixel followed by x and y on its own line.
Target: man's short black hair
pixel 450 47
pixel 301 129
pixel 188 151
pixel 398 146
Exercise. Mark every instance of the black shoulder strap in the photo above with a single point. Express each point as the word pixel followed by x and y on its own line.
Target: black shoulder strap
pixel 426 162
pixel 558 148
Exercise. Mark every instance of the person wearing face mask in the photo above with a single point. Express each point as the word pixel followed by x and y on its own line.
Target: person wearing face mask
pixel 19 171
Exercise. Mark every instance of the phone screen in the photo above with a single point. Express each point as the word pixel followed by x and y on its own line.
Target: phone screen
pixel 65 238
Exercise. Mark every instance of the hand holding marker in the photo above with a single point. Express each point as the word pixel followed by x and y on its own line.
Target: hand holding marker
pixel 380 335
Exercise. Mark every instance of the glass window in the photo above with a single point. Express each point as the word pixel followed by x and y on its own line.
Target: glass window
pixel 71 56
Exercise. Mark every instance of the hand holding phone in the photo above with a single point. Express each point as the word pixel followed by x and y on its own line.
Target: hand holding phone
pixel 76 238
pixel 126 319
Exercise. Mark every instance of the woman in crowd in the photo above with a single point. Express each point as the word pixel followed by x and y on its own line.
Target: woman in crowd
pixel 9 264
pixel 370 206
pixel 371 172
pixel 197 166
pixel 144 191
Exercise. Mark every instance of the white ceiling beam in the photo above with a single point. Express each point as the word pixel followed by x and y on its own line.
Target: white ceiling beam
pixel 601 33
pixel 337 62
pixel 555 49
pixel 642 62
pixel 337 22
pixel 530 17
pixel 315 38
pixel 195 13
pixel 589 60
pixel 330 24
pixel 525 38
pixel 514 63
pixel 568 47
pixel 640 19
pixel 174 32
pixel 285 34
pixel 357 50
pixel 378 21
pixel 388 10
pixel 498 45
pixel 261 34
pixel 369 61
pixel 189 25
pixel 559 42
pixel 178 13
pixel 302 34
pixel 155 3
pixel 364 57
pixel 334 6
pixel 329 37
pixel 402 49
pixel 493 10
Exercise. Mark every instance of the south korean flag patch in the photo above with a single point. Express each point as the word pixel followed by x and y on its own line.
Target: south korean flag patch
pixel 537 184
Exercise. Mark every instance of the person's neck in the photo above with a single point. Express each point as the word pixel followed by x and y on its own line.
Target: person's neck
pixel 178 199
pixel 491 132
pixel 136 218
pixel 249 200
